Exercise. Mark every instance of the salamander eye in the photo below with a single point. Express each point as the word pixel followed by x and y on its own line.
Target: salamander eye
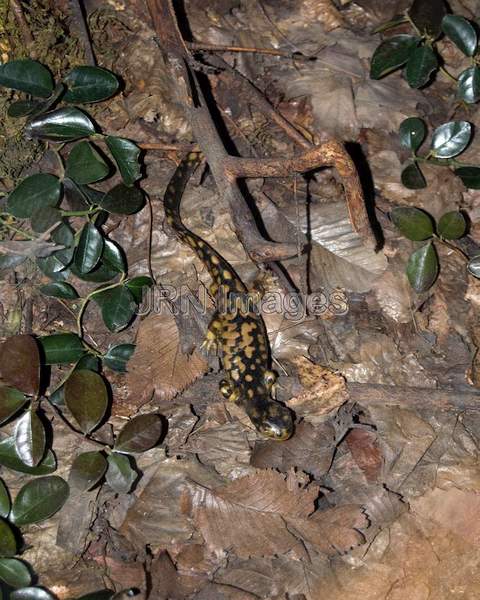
pixel 269 378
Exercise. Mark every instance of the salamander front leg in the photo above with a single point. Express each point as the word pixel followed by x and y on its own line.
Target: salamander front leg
pixel 211 339
pixel 228 390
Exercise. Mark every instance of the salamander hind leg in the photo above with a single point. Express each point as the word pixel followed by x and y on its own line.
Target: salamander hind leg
pixel 228 390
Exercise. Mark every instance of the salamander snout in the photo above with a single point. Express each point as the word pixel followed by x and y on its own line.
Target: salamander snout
pixel 274 421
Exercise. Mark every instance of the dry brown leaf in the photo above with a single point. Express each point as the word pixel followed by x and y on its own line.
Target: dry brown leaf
pixel 325 391
pixel 333 530
pixel 247 515
pixel 366 452
pixel 158 363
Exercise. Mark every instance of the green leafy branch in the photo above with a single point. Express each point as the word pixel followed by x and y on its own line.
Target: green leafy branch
pixel 418 52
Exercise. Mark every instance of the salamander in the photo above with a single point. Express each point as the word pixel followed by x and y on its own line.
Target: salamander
pixel 236 330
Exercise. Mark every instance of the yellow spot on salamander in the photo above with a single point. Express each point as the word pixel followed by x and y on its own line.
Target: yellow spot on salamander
pixel 226 274
pixel 248 377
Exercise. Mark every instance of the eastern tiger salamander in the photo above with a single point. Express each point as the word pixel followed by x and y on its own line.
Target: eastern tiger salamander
pixel 236 329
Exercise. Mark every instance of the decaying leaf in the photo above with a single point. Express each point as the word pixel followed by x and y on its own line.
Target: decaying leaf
pixel 158 363
pixel 366 452
pixel 325 391
pixel 20 363
pixel 247 515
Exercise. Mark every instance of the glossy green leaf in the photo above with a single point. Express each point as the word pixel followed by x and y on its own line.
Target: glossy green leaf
pixel 421 64
pixel 8 543
pixel 451 138
pixel 452 225
pixel 53 268
pixel 118 307
pixel 474 266
pixel 11 401
pixel 427 16
pixel 470 177
pixel 412 133
pixel 392 54
pixel 461 32
pixel 413 223
pixel 85 165
pixel 126 155
pixel 89 249
pixel 87 470
pixel 20 364
pixel 117 357
pixel 10 460
pixel 44 218
pixel 35 191
pixel 23 108
pixel 114 257
pixel 61 125
pixel 59 289
pixel 64 235
pixel 61 348
pixel 89 362
pixel 90 84
pixel 4 501
pixel 422 268
pixel 28 76
pixel 469 85
pixel 120 476
pixel 30 439
pixel 137 285
pixel 139 434
pixel 86 397
pixel 123 200
pixel 32 593
pixel 14 572
pixel 412 178
pixel 39 499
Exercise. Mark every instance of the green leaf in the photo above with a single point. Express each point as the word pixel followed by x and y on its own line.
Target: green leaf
pixel 30 439
pixel 126 154
pixel 123 200
pixel 28 76
pixel 412 178
pixel 39 499
pixel 427 16
pixel 452 225
pixel 61 348
pixel 20 363
pixel 4 501
pixel 474 266
pixel 117 357
pixel 64 235
pixel 85 165
pixel 8 543
pixel 120 476
pixel 461 32
pixel 137 286
pixel 392 54
pixel 11 401
pixel 35 191
pixel 44 218
pixel 469 85
pixel 59 289
pixel 90 84
pixel 89 249
pixel 470 177
pixel 118 307
pixel 422 268
pixel 23 108
pixel 421 64
pixel 14 572
pixel 451 138
pixel 10 460
pixel 32 593
pixel 89 362
pixel 61 125
pixel 52 268
pixel 114 257
pixel 87 470
pixel 412 133
pixel 413 223
pixel 86 397
pixel 139 434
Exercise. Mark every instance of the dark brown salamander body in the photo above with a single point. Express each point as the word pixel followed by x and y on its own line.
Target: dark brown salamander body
pixel 236 329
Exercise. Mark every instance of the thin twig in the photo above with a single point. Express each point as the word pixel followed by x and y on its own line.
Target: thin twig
pixel 205 47
pixel 21 22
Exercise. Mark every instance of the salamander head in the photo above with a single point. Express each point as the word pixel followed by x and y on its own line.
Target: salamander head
pixel 271 419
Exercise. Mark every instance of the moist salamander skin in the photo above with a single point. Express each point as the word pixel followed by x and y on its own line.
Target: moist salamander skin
pixel 237 330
